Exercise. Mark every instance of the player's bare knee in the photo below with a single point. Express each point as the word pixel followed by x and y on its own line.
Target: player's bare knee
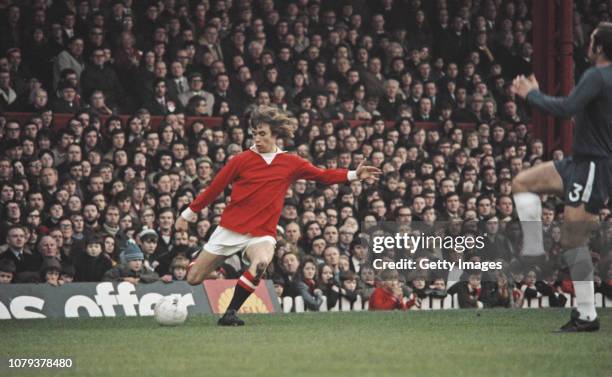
pixel 260 261
pixel 261 266
pixel 260 256
pixel 266 259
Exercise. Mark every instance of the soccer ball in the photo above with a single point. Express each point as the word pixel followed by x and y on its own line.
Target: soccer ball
pixel 170 311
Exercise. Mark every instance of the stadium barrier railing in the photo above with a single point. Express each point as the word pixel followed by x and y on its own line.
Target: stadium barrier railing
pixel 296 304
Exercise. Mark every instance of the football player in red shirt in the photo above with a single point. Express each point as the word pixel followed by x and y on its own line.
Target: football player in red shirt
pixel 260 178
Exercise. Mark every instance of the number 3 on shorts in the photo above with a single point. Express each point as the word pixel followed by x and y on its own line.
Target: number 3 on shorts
pixel 574 195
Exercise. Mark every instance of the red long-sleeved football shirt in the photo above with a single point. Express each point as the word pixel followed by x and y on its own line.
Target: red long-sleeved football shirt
pixel 258 189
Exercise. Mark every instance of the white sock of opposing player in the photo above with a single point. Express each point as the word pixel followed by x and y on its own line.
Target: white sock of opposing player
pixel 585 299
pixel 581 271
pixel 529 209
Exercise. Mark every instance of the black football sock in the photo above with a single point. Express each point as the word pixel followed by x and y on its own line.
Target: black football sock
pixel 245 286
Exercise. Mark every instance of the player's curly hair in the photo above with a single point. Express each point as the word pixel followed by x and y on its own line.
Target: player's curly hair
pixel 281 123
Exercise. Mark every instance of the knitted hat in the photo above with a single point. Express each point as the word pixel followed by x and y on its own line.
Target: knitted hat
pixel 131 252
pixel 147 233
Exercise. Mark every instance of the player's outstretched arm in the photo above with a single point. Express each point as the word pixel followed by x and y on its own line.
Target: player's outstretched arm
pixel 589 86
pixel 368 172
pixel 226 175
pixel 308 171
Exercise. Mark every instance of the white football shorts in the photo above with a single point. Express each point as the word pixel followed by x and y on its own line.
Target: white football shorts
pixel 227 242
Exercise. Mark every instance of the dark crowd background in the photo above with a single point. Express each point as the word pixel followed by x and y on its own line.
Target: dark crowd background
pixel 96 200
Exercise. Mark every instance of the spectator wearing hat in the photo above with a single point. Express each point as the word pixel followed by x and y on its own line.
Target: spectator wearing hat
pixel 131 269
pixel 7 271
pixel 196 88
pixel 91 263
pixel 147 240
pixel 204 172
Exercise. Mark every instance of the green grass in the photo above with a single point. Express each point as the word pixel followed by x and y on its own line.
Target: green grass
pixel 440 343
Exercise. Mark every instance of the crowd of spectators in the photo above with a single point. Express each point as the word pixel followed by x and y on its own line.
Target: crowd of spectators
pixel 96 200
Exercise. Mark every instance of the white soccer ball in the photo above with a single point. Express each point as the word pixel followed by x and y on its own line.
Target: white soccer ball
pixel 170 311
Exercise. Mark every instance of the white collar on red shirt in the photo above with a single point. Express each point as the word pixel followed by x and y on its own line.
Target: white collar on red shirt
pixel 268 157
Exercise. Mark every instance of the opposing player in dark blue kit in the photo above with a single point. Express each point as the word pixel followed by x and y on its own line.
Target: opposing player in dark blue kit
pixel 584 179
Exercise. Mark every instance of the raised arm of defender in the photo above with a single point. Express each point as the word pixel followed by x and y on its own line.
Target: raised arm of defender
pixel 589 86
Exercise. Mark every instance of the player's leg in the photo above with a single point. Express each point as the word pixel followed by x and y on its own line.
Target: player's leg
pixel 526 187
pixel 203 266
pixel 259 254
pixel 222 244
pixel 577 226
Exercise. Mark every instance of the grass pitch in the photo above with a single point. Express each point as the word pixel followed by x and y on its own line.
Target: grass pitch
pixel 434 343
